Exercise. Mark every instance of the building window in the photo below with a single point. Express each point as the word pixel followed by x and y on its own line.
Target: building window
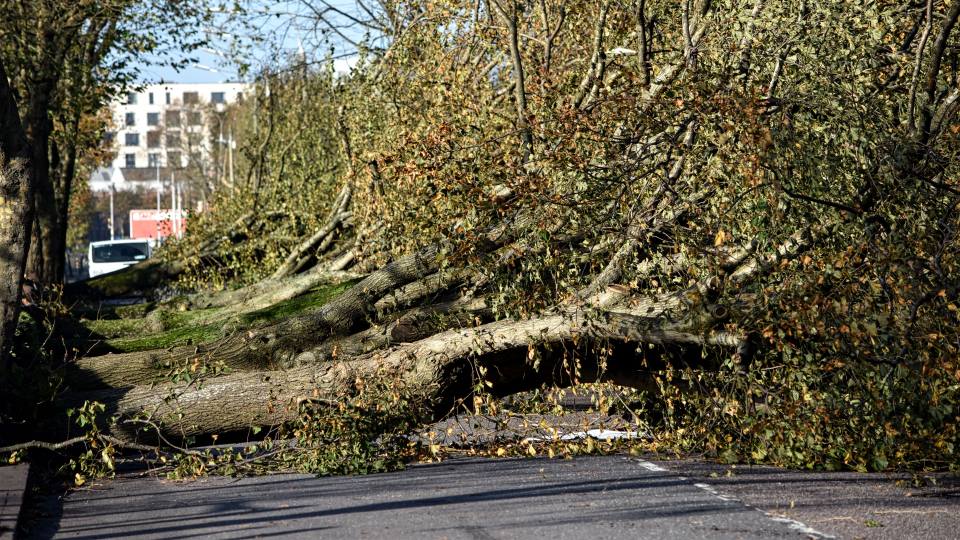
pixel 153 160
pixel 217 97
pixel 130 161
pixel 153 118
pixel 150 98
pixel 172 118
pixel 191 98
pixel 130 119
pixel 173 139
pixel 131 98
pixel 196 118
pixel 108 137
pixel 153 139
pixel 173 159
pixel 168 98
pixel 131 139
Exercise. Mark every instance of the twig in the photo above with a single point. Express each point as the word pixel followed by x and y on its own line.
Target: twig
pixel 162 438
pixel 70 442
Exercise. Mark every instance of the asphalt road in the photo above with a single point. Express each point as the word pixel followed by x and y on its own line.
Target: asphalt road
pixel 13 479
pixel 604 497
pixel 875 506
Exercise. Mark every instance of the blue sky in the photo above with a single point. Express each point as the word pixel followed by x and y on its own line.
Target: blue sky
pixel 284 27
pixel 208 71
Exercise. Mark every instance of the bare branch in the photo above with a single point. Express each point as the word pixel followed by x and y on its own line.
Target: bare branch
pixel 594 74
pixel 918 63
pixel 933 73
pixel 643 49
pixel 520 94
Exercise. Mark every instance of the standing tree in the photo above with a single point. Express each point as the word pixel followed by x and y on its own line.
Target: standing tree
pixel 67 60
pixel 15 212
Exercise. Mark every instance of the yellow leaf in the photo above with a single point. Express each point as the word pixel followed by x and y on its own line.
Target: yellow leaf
pixel 720 238
pixel 106 458
pixel 501 452
pixel 79 479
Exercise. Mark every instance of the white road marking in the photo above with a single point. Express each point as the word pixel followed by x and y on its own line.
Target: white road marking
pixel 792 524
pixel 651 466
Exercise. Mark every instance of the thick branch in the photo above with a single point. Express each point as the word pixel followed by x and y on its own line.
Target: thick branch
pixel 431 370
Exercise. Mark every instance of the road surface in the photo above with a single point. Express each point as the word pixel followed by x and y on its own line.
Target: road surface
pixel 604 497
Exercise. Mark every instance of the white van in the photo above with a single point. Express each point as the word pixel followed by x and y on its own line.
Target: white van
pixel 112 255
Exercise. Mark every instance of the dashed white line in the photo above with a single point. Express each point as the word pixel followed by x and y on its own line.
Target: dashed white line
pixel 798 526
pixel 792 524
pixel 651 466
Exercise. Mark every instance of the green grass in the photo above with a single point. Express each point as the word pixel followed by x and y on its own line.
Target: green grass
pixel 189 327
pixel 173 320
pixel 168 320
pixel 171 338
pixel 114 327
pixel 311 300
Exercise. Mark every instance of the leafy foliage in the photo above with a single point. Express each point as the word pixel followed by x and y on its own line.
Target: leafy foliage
pixel 748 124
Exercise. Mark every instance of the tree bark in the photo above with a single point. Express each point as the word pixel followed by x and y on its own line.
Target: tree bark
pixel 66 188
pixel 44 266
pixel 15 213
pixel 509 15
pixel 278 344
pixel 437 371
pixel 263 347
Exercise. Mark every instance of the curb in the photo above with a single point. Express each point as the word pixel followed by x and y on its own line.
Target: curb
pixel 13 487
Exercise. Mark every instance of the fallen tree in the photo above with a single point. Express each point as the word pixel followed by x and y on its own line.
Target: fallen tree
pixel 687 208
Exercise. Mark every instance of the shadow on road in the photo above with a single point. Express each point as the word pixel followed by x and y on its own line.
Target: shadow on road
pixel 459 498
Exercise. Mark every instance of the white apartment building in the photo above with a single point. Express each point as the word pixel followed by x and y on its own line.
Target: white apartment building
pixel 164 126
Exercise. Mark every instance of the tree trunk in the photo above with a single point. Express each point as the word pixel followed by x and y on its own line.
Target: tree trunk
pixel 44 266
pixel 438 367
pixel 278 344
pixel 438 371
pixel 260 348
pixel 15 212
pixel 69 172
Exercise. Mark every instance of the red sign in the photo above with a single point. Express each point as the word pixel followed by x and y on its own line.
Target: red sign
pixel 146 224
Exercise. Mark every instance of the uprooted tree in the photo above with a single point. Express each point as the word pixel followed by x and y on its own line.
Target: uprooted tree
pixel 749 210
